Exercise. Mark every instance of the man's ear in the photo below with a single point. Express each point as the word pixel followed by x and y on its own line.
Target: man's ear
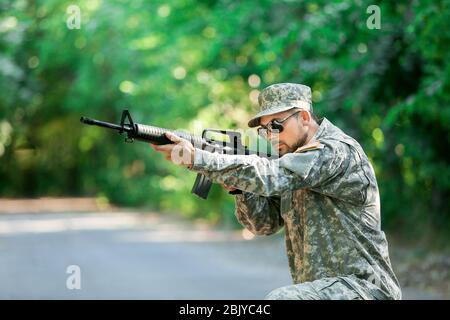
pixel 306 116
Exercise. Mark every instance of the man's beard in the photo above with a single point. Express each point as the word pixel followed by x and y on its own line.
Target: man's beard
pixel 300 143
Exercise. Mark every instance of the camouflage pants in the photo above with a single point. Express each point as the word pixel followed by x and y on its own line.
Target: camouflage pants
pixel 322 289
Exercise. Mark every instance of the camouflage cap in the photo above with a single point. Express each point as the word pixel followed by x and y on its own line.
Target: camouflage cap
pixel 280 97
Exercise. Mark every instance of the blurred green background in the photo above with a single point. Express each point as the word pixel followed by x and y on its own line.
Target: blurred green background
pixel 190 64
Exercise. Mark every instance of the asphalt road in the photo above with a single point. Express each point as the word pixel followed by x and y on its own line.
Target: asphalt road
pixel 132 256
pixel 128 255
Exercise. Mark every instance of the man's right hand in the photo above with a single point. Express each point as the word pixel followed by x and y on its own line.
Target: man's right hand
pixel 229 188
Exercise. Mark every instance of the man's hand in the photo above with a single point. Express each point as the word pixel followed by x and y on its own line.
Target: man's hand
pixel 228 188
pixel 181 152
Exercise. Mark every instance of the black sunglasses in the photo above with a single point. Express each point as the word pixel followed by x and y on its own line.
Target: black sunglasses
pixel 273 125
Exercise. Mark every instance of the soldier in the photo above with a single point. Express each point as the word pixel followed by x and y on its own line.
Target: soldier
pixel 323 191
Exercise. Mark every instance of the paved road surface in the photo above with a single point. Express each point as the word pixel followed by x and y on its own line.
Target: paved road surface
pixel 134 256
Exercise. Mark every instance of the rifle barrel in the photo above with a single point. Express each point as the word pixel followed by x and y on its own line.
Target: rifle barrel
pixel 94 122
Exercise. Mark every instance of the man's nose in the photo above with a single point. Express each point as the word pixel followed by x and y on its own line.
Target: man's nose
pixel 274 139
pixel 271 133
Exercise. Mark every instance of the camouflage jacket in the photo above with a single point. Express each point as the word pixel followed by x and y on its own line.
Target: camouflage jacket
pixel 326 196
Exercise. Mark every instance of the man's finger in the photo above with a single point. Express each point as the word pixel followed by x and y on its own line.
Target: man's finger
pixel 163 147
pixel 174 138
pixel 229 188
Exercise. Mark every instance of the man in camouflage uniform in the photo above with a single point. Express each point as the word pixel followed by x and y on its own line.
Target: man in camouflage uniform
pixel 322 189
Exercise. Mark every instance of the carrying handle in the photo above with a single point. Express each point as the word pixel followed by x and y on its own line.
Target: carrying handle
pixel 234 144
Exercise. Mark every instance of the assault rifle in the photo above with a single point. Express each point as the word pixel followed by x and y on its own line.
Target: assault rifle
pixel 156 135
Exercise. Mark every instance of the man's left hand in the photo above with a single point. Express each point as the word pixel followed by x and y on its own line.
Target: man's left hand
pixel 181 152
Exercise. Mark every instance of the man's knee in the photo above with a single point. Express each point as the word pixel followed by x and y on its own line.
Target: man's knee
pixel 292 292
pixel 322 289
pixel 275 294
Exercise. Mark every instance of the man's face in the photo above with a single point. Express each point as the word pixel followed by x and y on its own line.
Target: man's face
pixel 294 134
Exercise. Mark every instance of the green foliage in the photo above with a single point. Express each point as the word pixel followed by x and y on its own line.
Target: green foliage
pixel 186 64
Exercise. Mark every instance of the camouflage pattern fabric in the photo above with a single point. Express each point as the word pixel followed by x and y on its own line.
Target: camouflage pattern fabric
pixel 322 289
pixel 326 197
